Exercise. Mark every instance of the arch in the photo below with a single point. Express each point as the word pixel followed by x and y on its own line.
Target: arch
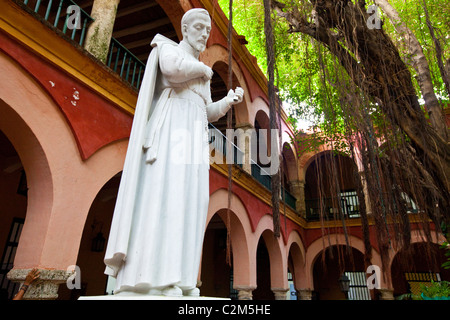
pixel 216 56
pixel 421 260
pixel 290 161
pixel 240 231
pixel 216 270
pixel 328 176
pixel 288 139
pixel 61 185
pixel 261 121
pixel 262 118
pixel 307 158
pixel 97 225
pixel 275 248
pixel 327 271
pixel 296 256
pixel 316 247
pixel 39 182
pixel 418 236
pixel 259 105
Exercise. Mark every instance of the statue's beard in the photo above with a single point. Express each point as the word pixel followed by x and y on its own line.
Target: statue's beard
pixel 198 45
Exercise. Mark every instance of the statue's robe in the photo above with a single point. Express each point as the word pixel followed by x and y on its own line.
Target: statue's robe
pixel 159 220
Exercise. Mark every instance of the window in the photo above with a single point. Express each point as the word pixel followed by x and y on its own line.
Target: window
pixel 350 203
pixel 9 253
pixel 358 286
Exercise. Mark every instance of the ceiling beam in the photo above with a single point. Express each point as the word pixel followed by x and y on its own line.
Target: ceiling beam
pixel 141 27
pixel 146 41
pixel 86 4
pixel 135 8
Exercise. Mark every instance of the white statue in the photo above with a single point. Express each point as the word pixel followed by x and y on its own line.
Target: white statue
pixel 156 236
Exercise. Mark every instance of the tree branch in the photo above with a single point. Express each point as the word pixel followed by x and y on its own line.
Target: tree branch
pixel 421 66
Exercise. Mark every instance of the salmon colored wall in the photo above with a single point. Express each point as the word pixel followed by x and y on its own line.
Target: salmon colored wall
pixel 61 185
pixel 71 144
pixel 94 121
pixel 217 53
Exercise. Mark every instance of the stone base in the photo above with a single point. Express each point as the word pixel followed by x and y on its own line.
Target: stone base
pixel 44 288
pixel 137 296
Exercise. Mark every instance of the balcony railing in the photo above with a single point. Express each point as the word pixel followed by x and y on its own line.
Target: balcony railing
pixel 346 204
pixel 67 17
pixel 123 62
pixel 219 141
pixel 64 15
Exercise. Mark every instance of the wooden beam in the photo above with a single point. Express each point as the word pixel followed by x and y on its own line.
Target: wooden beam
pixel 135 8
pixel 146 41
pixel 86 4
pixel 141 27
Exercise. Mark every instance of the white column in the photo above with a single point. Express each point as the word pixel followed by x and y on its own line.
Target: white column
pixel 298 191
pixel 99 34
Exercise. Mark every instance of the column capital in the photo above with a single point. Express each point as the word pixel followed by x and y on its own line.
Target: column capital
pixel 44 288
pixel 297 183
pixel 280 293
pixel 386 294
pixel 244 126
pixel 245 292
pixel 298 191
pixel 304 294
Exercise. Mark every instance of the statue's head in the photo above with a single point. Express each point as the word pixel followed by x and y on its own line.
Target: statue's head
pixel 195 27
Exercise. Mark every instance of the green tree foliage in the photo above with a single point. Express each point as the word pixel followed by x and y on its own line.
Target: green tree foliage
pixel 368 89
pixel 309 77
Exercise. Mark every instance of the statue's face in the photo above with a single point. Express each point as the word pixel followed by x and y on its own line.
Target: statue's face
pixel 196 32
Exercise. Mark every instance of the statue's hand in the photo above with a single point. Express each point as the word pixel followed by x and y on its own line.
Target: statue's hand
pixel 208 73
pixel 236 96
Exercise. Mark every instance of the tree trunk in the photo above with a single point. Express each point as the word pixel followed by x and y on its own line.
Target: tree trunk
pixel 381 74
pixel 421 66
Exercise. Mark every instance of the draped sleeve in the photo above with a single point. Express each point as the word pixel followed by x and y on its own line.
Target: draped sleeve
pixel 177 68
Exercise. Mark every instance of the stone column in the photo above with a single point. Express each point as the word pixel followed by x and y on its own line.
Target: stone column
pixel 99 33
pixel 386 294
pixel 280 293
pixel 366 192
pixel 244 292
pixel 246 135
pixel 304 294
pixel 298 191
pixel 44 288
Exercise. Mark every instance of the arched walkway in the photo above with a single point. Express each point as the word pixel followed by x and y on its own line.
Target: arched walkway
pixel 239 229
pixel 320 246
pixel 297 262
pixel 13 197
pixel 93 243
pixel 264 238
pixel 61 186
pixel 216 57
pixel 420 264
